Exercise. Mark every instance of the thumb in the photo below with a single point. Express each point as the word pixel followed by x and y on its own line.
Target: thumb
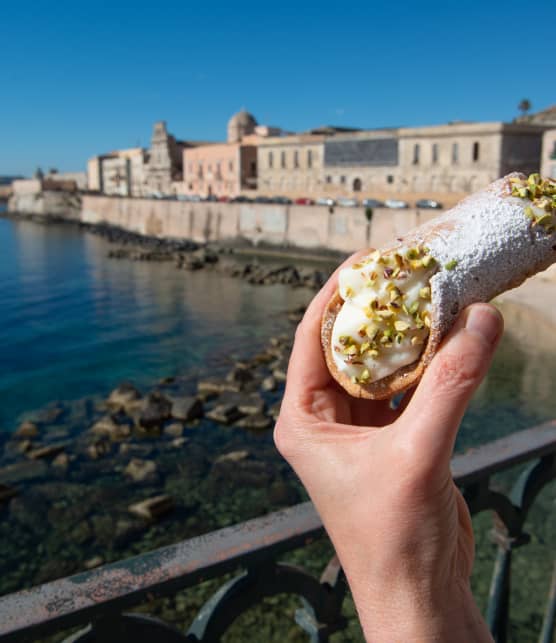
pixel 433 415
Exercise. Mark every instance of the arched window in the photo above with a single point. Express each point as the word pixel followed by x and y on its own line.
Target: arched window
pixel 475 151
pixel 390 179
pixel 270 160
pixel 283 159
pixel 416 150
pixel 309 158
pixel 357 185
pixel 455 153
pixel 435 153
pixel 296 158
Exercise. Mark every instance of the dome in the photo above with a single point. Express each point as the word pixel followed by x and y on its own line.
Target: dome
pixel 241 124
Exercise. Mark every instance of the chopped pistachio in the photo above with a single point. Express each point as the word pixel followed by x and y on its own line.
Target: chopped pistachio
pixel 365 346
pixel 401 326
pixel 425 293
pixel 349 292
pixel 414 308
pixel 428 260
pixel 451 264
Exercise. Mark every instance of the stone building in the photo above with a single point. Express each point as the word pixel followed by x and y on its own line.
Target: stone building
pixel 140 172
pixel 231 168
pixel 457 158
pixel 548 161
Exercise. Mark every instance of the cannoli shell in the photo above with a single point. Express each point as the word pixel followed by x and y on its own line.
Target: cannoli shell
pixel 494 248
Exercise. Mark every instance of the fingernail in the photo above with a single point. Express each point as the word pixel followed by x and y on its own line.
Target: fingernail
pixel 484 321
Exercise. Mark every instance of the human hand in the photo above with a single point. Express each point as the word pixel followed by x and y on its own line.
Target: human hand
pixel 381 482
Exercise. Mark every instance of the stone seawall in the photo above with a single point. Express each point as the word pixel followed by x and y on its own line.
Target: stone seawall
pixel 313 227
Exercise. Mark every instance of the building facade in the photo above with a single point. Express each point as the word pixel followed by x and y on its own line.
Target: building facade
pixel 457 159
pixel 548 162
pixel 140 172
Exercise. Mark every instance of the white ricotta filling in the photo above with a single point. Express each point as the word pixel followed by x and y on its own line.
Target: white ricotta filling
pixel 385 319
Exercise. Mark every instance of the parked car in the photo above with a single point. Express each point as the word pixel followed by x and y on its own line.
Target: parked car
pixel 372 203
pixel 211 197
pixel 262 199
pixel 325 200
pixel 223 199
pixel 240 199
pixel 304 201
pixel 430 204
pixel 347 202
pixel 283 200
pixel 397 204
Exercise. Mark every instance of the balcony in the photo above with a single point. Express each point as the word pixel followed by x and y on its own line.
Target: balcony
pixel 97 601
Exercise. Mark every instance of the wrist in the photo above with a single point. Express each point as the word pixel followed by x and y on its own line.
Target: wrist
pixel 420 615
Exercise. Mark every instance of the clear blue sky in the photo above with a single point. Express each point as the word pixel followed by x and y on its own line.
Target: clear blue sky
pixel 81 78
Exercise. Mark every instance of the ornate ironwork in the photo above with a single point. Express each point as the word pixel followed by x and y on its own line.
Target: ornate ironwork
pixel 98 599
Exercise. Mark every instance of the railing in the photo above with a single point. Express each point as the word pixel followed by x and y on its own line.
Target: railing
pixel 97 600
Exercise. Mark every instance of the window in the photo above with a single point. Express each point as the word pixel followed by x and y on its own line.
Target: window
pixel 416 150
pixel 475 151
pixel 329 179
pixel 342 180
pixel 310 158
pixel 270 160
pixel 296 159
pixel 283 159
pixel 357 185
pixel 209 169
pixel 231 166
pixel 218 170
pixel 553 154
pixel 389 179
pixel 455 153
pixel 253 168
pixel 435 153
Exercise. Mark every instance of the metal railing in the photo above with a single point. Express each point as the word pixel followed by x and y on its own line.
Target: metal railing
pixel 97 600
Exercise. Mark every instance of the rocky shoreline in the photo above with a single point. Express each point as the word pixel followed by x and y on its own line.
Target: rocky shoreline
pixel 272 265
pixel 167 451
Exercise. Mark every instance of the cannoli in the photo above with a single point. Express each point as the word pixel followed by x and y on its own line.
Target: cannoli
pixel 393 307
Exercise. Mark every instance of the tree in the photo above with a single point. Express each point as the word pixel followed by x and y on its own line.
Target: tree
pixel 524 106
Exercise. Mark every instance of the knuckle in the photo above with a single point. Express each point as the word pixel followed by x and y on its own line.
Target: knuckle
pixel 457 371
pixel 284 439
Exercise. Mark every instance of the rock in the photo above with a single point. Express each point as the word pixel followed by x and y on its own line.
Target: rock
pixel 61 461
pixel 178 443
pixel 49 451
pixel 26 430
pixel 240 374
pixel 6 492
pixel 233 456
pixel 224 413
pixel 279 374
pixel 257 422
pixel 247 403
pixel 156 410
pixel 125 396
pixel 22 471
pixel 99 449
pixel 24 446
pixel 152 508
pixel 139 449
pixel 95 561
pixel 141 470
pixel 51 413
pixel 109 428
pixel 263 358
pixel 269 384
pixel 186 408
pixel 211 387
pixel 174 430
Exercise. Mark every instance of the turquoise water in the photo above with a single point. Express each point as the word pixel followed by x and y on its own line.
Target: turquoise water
pixel 74 323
